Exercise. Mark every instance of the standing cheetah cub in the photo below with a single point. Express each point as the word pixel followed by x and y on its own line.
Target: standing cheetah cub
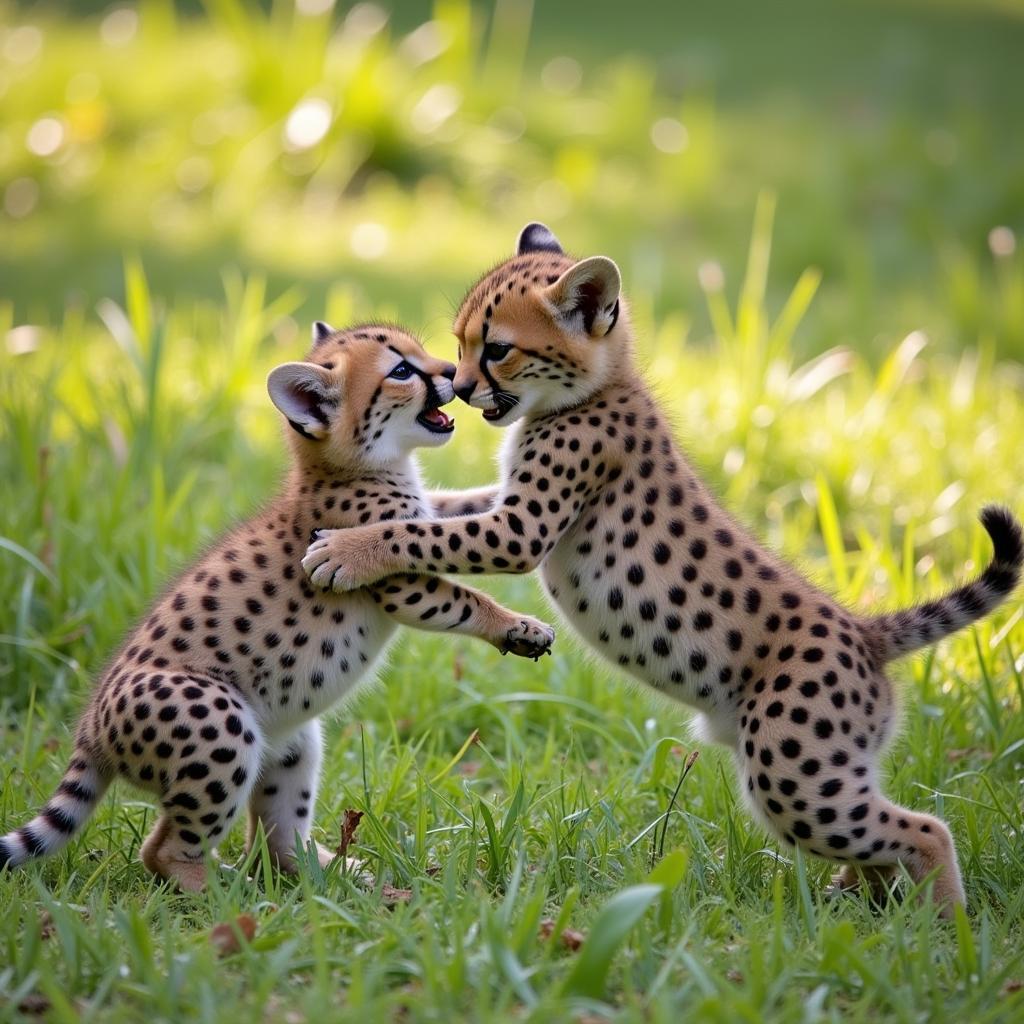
pixel 654 575
pixel 212 703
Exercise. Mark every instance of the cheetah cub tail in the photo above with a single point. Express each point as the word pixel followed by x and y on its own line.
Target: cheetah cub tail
pixel 901 632
pixel 61 817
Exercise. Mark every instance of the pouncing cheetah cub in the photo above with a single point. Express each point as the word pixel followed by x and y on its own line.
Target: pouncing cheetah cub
pixel 656 577
pixel 212 703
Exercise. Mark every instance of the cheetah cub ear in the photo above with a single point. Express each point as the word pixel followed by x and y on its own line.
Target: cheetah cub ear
pixel 306 394
pixel 321 331
pixel 587 296
pixel 537 237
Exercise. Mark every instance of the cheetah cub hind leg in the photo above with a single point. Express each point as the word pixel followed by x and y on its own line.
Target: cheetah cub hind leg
pixel 206 787
pixel 185 870
pixel 283 800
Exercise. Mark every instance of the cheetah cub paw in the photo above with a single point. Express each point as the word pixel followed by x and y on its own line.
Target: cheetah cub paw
pixel 528 638
pixel 333 562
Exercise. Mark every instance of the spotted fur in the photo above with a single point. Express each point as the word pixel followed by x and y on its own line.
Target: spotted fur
pixel 213 701
pixel 654 575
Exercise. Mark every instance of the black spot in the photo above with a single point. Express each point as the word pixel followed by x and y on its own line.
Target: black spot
pixel 702 621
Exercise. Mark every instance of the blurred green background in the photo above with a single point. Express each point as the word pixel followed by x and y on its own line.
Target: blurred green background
pixel 392 151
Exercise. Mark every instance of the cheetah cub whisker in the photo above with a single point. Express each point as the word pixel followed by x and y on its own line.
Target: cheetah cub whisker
pixel 651 572
pixel 213 701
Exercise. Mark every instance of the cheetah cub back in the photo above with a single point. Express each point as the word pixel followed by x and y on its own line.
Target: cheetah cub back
pixel 212 703
pixel 658 578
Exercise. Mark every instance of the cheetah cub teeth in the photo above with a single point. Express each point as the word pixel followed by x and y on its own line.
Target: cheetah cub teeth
pixel 213 702
pixel 661 581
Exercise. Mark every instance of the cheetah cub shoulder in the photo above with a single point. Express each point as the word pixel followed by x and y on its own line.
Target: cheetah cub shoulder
pixel 654 575
pixel 212 703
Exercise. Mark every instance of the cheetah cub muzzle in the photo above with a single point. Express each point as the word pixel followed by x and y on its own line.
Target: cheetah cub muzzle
pixel 212 703
pixel 655 576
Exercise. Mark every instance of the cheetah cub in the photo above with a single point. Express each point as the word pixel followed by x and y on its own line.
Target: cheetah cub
pixel 212 704
pixel 655 576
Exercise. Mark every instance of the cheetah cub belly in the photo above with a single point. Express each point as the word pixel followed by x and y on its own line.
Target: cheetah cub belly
pixel 655 576
pixel 212 703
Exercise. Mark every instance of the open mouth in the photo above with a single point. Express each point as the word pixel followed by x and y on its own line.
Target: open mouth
pixel 503 403
pixel 436 421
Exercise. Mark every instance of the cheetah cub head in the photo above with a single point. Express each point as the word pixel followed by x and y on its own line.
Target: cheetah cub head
pixel 541 332
pixel 364 397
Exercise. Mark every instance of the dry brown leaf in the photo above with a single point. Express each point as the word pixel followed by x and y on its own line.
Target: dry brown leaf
pixel 392 896
pixel 349 824
pixel 225 939
pixel 570 938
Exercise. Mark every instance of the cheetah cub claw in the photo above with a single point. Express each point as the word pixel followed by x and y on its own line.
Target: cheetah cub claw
pixel 331 564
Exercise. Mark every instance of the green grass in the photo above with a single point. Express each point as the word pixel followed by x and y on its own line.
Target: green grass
pixel 132 432
pixel 892 133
